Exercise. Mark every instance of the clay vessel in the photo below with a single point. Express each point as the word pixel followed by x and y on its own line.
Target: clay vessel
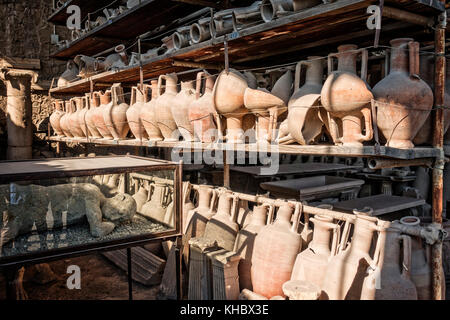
pixel 64 122
pixel 389 276
pixel 275 249
pixel 86 65
pixel 90 115
pixel 119 59
pixel 164 117
pixel 98 118
pixel 347 97
pixel 115 114
pixel 55 118
pixel 75 125
pixel 157 206
pixel 181 37
pixel 222 23
pixel 244 245
pixel 303 4
pixel 403 99
pixel 137 104
pixel 69 75
pixel 271 9
pixel 244 214
pixel 248 15
pixel 202 112
pixel 200 31
pixel 82 115
pixel 187 203
pixel 180 110
pixel 199 217
pixel 311 264
pixel 140 197
pixel 148 115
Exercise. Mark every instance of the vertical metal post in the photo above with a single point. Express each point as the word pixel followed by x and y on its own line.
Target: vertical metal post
pixel 438 142
pixel 141 70
pixel 226 165
pixel 130 275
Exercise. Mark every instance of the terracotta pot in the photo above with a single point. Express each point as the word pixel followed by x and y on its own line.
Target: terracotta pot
pixel 188 206
pixel 244 214
pixel 98 118
pixel 403 100
pixel 86 65
pixel 141 197
pixel 271 9
pixel 90 115
pixel 389 277
pixel 82 115
pixel 115 114
pixel 148 115
pixel 75 125
pixel 180 110
pixel 311 264
pixel 202 112
pixel 164 118
pixel 156 208
pixel 200 31
pixel 55 118
pixel 64 122
pixel 275 249
pixel 70 74
pixel 347 97
pixel 245 243
pixel 181 37
pixel 222 23
pixel 119 59
pixel 198 218
pixel 283 87
pixel 137 104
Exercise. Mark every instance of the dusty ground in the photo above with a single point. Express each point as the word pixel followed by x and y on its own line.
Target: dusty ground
pixel 100 280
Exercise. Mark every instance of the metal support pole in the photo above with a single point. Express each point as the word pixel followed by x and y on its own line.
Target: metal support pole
pixel 438 142
pixel 130 275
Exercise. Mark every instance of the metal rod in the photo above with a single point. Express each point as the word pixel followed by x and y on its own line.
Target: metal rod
pixel 381 163
pixel 227 60
pixel 130 278
pixel 141 70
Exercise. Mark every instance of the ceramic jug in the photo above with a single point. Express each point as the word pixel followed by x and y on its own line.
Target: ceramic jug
pixel 222 227
pixel 180 110
pixel 244 214
pixel 347 97
pixel 140 196
pixel 64 122
pixel 199 217
pixel 202 113
pixel 389 276
pixel 275 248
pixel 157 206
pixel 115 114
pixel 311 264
pixel 90 115
pixel 187 203
pixel 403 100
pixel 245 242
pixel 98 118
pixel 82 115
pixel 70 74
pixel 137 104
pixel 164 117
pixel 55 118
pixel 148 115
pixel 75 125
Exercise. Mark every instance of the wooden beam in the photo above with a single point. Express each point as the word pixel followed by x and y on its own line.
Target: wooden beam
pixel 20 63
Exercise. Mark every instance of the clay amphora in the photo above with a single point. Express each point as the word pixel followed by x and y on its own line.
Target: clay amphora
pixel 115 114
pixel 222 227
pixel 164 117
pixel 140 197
pixel 75 125
pixel 244 245
pixel 200 31
pixel 148 115
pixel 64 122
pixel 157 206
pixel 303 4
pixel 180 110
pixel 70 74
pixel 403 99
pixel 389 276
pixel 119 59
pixel 274 252
pixel 228 94
pixel 244 214
pixel 137 104
pixel 311 264
pixel 187 203
pixel 347 97
pixel 346 270
pixel 86 65
pixel 199 217
pixel 201 111
pixel 55 118
pixel 271 9
pixel 98 119
pixel 90 115
pixel 82 115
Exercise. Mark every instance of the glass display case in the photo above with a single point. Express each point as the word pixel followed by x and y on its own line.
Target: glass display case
pixel 61 207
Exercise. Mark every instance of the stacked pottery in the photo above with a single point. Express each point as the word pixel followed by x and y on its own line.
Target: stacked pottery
pixel 137 104
pixel 403 99
pixel 180 110
pixel 64 122
pixel 389 276
pixel 55 118
pixel 275 249
pixel 90 115
pixel 201 110
pixel 82 116
pixel 115 114
pixel 148 115
pixel 347 97
pixel 164 118
pixel 75 125
pixel 98 119
pixel 156 208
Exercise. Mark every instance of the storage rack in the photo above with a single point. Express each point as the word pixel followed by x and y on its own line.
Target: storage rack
pixel 315 31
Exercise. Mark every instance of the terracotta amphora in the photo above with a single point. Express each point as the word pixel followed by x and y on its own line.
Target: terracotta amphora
pixel 199 217
pixel 202 113
pixel 389 274
pixel 347 97
pixel 164 117
pixel 64 122
pixel 148 115
pixel 222 227
pixel 156 208
pixel 69 75
pixel 82 115
pixel 275 248
pixel 244 214
pixel 403 100
pixel 180 110
pixel 137 104
pixel 140 196
pixel 311 264
pixel 115 114
pixel 98 119
pixel 188 206
pixel 90 115
pixel 245 242
pixel 55 118
pixel 75 125
pixel 346 270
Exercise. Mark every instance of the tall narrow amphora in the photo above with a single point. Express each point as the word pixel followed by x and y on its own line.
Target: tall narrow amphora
pixel 137 104
pixel 90 116
pixel 55 118
pixel 148 115
pixel 115 114
pixel 164 103
pixel 180 110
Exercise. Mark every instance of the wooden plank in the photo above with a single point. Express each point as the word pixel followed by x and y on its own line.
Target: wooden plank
pixel 20 63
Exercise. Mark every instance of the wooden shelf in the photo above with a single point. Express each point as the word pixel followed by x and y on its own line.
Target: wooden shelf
pixel 60 16
pixel 366 151
pixel 317 31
